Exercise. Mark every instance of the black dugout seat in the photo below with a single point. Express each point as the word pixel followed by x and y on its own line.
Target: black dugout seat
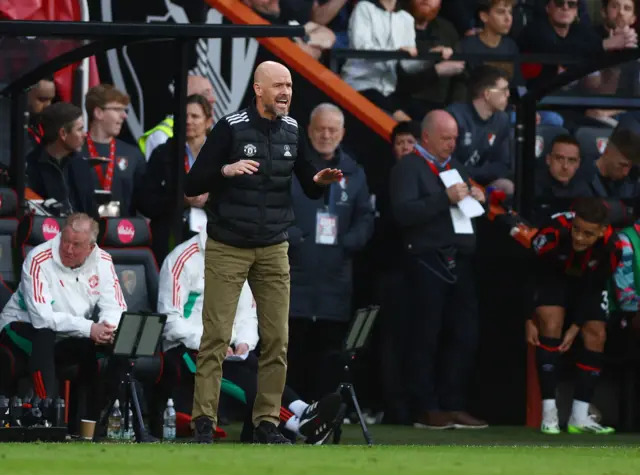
pixel 33 230
pixel 593 141
pixel 128 241
pixel 544 137
pixel 8 227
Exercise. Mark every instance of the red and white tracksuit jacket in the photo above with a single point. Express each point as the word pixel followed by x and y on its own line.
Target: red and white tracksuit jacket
pixel 180 297
pixel 56 297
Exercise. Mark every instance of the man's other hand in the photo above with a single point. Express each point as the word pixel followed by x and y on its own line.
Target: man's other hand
pixel 229 351
pixel 242 167
pixel 531 332
pixel 478 194
pixel 102 333
pixel 457 192
pixel 328 176
pixel 569 337
pixel 241 349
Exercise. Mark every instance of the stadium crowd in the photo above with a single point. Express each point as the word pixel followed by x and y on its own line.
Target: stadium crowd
pixel 455 122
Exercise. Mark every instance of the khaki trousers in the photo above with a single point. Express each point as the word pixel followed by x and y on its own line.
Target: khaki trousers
pixel 226 269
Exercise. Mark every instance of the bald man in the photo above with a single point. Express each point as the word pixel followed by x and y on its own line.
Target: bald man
pixel 247 167
pixel 440 274
pixel 162 132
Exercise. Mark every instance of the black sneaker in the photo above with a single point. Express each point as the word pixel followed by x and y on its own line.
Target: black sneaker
pixel 268 433
pixel 318 420
pixel 204 430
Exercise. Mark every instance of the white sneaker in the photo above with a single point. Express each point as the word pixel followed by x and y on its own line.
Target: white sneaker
pixel 588 426
pixel 550 424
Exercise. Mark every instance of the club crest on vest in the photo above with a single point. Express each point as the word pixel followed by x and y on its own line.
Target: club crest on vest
pixel 250 150
pixel 287 151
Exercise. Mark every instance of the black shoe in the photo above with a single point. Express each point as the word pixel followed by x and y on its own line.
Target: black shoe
pixel 204 430
pixel 318 420
pixel 268 433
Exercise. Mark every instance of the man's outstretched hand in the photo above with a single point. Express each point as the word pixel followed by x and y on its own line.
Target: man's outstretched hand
pixel 328 176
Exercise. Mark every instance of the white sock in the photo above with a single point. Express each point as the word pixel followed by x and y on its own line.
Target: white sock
pixel 298 407
pixel 548 405
pixel 580 410
pixel 293 424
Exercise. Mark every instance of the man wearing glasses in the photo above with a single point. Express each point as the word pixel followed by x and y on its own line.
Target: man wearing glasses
pixel 483 129
pixel 122 167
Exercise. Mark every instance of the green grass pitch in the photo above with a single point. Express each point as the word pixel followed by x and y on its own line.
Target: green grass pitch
pixel 398 451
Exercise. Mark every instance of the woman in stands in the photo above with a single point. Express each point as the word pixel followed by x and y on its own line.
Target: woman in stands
pixel 158 199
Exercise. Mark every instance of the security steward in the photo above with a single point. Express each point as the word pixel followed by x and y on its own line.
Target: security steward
pixel 440 242
pixel 246 167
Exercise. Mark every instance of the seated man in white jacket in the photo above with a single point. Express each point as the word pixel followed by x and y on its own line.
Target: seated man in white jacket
pixel 180 298
pixel 48 320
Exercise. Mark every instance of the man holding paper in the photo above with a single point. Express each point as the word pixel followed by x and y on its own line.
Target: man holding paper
pixel 434 206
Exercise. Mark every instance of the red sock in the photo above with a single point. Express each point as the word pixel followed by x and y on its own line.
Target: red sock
pixel 285 414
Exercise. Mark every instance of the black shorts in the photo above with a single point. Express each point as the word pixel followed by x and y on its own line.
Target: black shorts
pixel 582 303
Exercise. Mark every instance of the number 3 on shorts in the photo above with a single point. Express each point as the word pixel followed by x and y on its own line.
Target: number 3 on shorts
pixel 604 304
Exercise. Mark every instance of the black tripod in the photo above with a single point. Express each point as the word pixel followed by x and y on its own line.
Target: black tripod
pixel 131 400
pixel 137 335
pixel 357 339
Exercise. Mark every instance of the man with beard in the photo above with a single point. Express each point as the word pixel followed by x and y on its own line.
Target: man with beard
pixel 39 97
pixel 123 167
pixel 246 167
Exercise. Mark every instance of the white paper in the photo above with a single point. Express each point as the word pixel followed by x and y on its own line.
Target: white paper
pixel 241 357
pixel 470 207
pixel 461 223
pixel 197 219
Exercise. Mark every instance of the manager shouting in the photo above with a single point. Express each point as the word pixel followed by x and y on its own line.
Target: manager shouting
pixel 246 166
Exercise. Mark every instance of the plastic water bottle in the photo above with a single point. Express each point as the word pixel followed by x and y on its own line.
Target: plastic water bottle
pixel 128 432
pixel 114 425
pixel 169 426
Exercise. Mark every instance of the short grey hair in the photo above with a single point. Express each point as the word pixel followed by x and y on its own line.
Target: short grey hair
pixel 327 107
pixel 82 222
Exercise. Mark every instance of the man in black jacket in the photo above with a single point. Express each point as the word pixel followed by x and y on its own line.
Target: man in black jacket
pixel 246 166
pixel 440 273
pixel 55 169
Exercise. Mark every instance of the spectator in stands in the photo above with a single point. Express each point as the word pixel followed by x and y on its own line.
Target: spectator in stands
pixel 56 171
pixel 120 175
pixel 335 15
pixel 496 17
pixel 180 298
pixel 557 183
pixel 65 281
pixel 440 273
pixel 623 78
pixel 162 132
pixel 404 137
pixel 614 175
pixel 39 97
pixel 158 192
pixel 437 83
pixel 318 38
pixel 381 25
pixel 560 33
pixel 323 239
pixel 484 132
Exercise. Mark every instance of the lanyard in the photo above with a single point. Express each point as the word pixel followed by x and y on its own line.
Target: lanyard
pixel 436 171
pixel 186 163
pixel 36 134
pixel 105 180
